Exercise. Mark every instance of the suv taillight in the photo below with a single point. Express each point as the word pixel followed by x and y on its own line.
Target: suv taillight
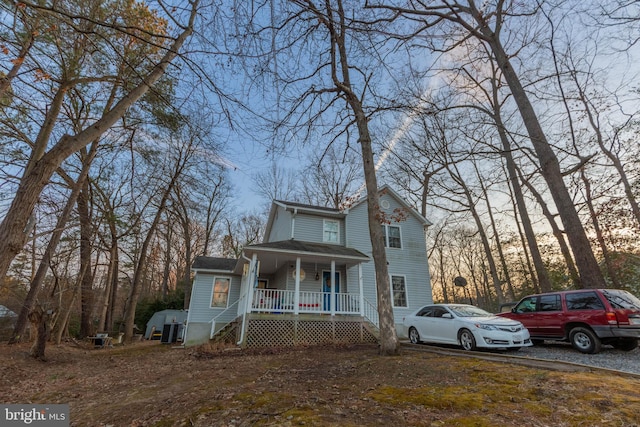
pixel 611 318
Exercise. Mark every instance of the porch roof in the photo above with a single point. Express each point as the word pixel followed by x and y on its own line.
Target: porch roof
pixel 272 254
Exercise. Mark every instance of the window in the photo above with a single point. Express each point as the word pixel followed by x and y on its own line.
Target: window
pixel 584 301
pixel 391 236
pixel 331 231
pixel 399 291
pixel 527 305
pixel 550 303
pixel 220 295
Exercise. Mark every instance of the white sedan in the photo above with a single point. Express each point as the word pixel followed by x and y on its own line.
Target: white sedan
pixel 465 325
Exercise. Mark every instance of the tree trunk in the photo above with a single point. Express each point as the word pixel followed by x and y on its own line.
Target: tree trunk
pixel 86 283
pixel 559 235
pixel 613 275
pixel 588 269
pixel 40 324
pixel 493 270
pixel 54 240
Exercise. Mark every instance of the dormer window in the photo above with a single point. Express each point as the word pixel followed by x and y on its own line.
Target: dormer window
pixel 392 237
pixel 331 231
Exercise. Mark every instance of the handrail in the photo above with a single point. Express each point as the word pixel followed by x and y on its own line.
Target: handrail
pixel 213 320
pixel 371 313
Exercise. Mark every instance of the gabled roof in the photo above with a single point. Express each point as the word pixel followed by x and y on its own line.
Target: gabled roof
pixel 385 189
pixel 214 264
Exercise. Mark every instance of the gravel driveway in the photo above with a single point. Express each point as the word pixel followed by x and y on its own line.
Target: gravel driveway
pixel 610 358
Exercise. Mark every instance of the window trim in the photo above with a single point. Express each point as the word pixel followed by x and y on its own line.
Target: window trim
pixel 213 288
pixel 406 292
pixel 386 236
pixel 326 221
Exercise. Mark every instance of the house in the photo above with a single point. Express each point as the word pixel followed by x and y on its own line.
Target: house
pixel 312 280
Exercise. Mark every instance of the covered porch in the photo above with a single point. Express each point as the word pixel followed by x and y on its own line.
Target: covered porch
pixel 296 278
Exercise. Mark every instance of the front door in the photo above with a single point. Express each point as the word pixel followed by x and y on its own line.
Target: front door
pixel 326 288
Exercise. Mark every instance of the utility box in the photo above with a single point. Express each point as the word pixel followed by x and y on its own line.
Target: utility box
pixel 170 333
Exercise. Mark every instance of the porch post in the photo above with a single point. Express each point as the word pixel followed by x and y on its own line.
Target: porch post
pixel 333 288
pixel 360 285
pixel 296 295
pixel 251 279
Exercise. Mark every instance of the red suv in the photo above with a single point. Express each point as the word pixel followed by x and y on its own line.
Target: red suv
pixel 587 318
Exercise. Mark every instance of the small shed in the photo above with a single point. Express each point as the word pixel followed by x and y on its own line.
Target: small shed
pixel 5 312
pixel 7 322
pixel 165 317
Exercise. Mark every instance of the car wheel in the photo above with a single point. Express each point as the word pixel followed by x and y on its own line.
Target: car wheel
pixel 584 340
pixel 467 341
pixel 414 336
pixel 625 344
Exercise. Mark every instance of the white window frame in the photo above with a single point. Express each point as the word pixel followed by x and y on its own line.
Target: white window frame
pixel 325 231
pixel 386 236
pixel 406 293
pixel 213 292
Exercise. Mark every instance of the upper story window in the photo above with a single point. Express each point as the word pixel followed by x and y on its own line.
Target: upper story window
pixel 331 231
pixel 220 295
pixel 391 236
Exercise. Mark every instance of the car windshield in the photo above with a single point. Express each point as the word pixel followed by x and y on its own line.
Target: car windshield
pixel 622 299
pixel 468 311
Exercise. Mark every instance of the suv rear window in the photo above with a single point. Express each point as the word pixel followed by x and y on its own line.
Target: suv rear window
pixel 621 299
pixel 583 301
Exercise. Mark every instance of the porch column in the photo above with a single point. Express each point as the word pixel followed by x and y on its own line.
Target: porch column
pixel 296 295
pixel 361 286
pixel 333 288
pixel 251 281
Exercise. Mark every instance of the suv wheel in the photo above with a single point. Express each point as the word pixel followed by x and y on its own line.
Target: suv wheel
pixel 625 344
pixel 584 340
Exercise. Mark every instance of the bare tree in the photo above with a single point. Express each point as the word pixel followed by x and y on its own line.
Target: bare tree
pixel 334 83
pixel 46 157
pixel 330 177
pixel 485 24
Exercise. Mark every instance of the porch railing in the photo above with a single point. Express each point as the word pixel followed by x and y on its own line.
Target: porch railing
pixel 283 301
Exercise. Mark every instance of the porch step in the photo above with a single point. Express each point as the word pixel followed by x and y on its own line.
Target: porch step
pixel 373 329
pixel 228 334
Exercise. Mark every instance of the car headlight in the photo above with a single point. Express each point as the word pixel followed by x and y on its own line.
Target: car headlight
pixel 485 327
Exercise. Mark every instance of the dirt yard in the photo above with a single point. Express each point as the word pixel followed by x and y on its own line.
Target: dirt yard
pixel 151 384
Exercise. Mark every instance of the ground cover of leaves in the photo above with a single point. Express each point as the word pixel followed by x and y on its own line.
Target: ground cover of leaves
pixel 153 384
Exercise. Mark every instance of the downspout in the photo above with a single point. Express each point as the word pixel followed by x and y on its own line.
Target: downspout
pixel 251 282
pixel 293 222
pixel 186 328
